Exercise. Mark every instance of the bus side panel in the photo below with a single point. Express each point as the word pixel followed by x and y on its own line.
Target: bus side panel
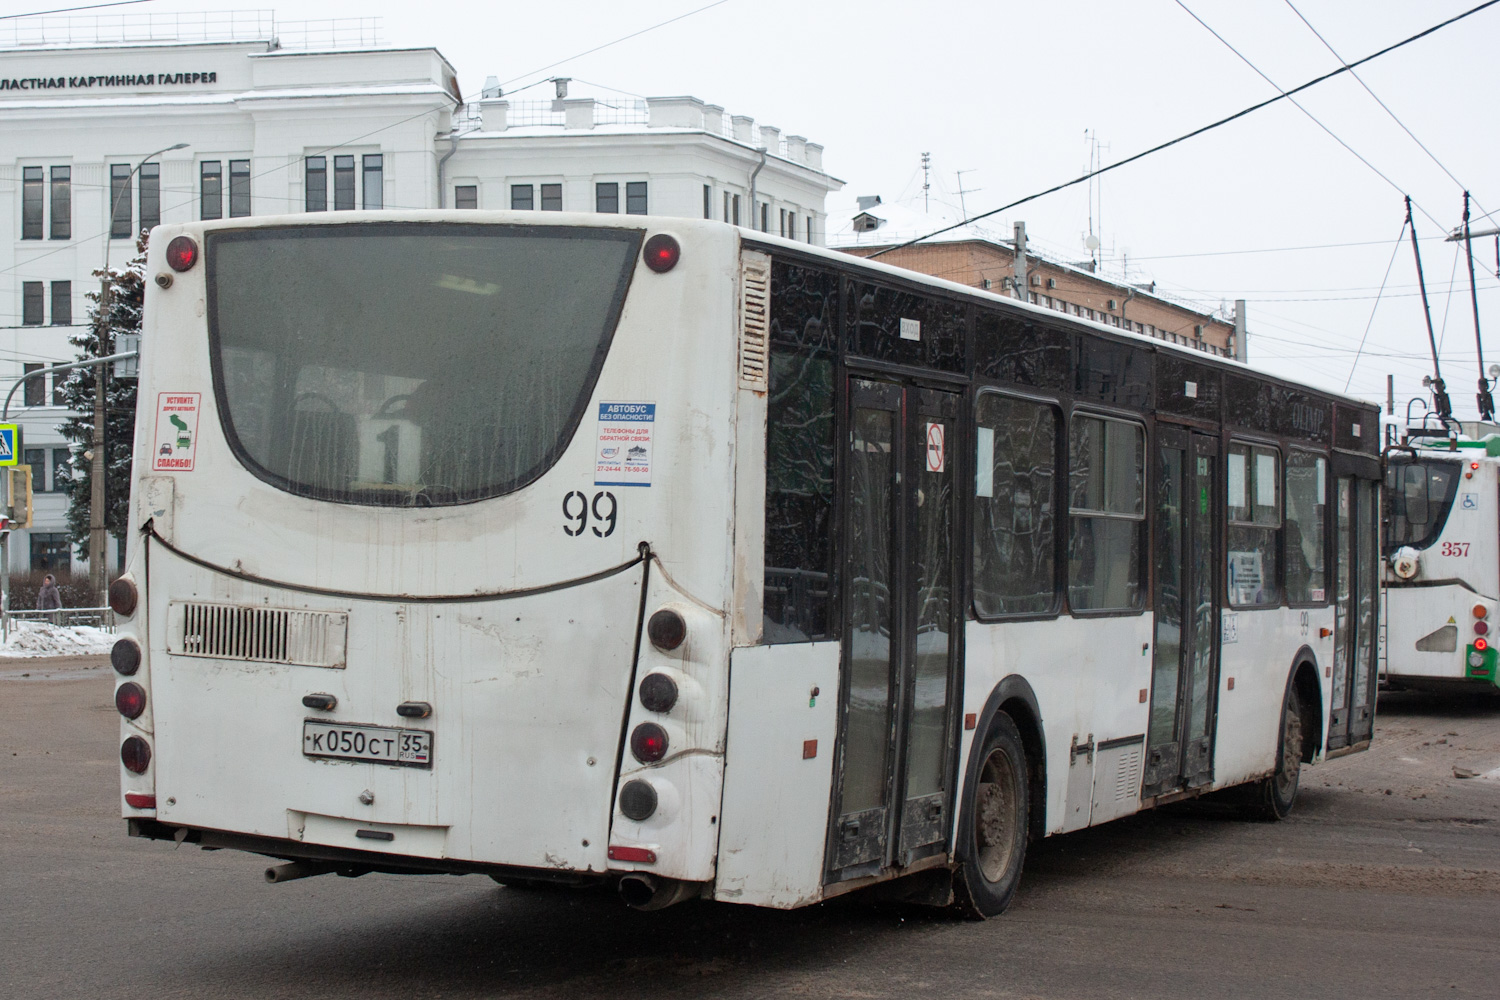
pixel 1416 614
pixel 778 774
pixel 1087 674
pixel 1256 657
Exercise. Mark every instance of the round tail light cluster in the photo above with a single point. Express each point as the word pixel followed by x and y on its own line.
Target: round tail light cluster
pixel 648 742
pixel 135 754
pixel 661 253
pixel 637 799
pixel 130 699
pixel 658 692
pixel 125 656
pixel 666 629
pixel 182 253
pixel 123 597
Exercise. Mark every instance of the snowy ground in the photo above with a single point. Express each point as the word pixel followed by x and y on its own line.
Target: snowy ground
pixel 44 639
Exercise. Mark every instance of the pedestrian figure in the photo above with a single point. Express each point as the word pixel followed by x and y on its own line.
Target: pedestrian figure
pixel 48 598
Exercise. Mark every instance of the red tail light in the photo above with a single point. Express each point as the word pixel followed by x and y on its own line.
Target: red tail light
pixel 125 656
pixel 1481 644
pixel 666 630
pixel 649 742
pixel 182 253
pixel 135 754
pixel 641 854
pixel 130 699
pixel 140 800
pixel 123 597
pixel 662 253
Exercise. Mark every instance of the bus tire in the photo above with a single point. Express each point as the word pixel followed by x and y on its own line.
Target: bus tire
pixel 996 817
pixel 1272 797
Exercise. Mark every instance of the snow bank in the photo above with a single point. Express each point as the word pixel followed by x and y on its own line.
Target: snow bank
pixel 44 639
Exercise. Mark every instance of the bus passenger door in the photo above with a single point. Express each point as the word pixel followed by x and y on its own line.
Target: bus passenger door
pixel 893 769
pixel 1184 675
pixel 1351 716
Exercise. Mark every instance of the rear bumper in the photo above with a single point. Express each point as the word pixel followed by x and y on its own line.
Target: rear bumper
pixel 351 862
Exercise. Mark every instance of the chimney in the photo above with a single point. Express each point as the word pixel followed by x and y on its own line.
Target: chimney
pixel 744 129
pixel 770 137
pixel 868 201
pixel 815 156
pixel 578 113
pixel 674 112
pixel 493 115
pixel 796 149
pixel 491 88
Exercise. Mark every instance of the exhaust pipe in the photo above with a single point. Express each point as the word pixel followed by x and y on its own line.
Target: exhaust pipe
pixel 641 891
pixel 296 870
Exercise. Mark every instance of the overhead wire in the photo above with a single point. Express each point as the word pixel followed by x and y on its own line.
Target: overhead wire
pixel 1375 308
pixel 68 10
pixel 1284 95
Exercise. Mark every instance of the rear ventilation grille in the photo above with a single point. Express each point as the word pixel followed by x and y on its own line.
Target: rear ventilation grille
pixel 257 634
pixel 755 307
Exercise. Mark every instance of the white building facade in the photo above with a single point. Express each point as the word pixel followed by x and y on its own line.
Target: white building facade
pixel 272 130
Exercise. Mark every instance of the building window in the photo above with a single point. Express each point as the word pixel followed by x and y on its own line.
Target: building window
pixel 791 225
pixel 37 459
pixel 343 183
pixel 782 217
pixel 210 190
pixel 708 201
pixel 62 303
pixel 1253 488
pixel 765 217
pixel 374 181
pixel 466 196
pixel 121 210
pixel 607 198
pixel 726 206
pixel 635 198
pixel 149 180
pixel 36 388
pixel 31 203
pixel 1107 508
pixel 1014 487
pixel 59 394
pixel 520 197
pixel 31 303
pixel 809 228
pixel 736 213
pixel 62 203
pixel 50 551
pixel 551 197
pixel 62 464
pixel 316 195
pixel 239 188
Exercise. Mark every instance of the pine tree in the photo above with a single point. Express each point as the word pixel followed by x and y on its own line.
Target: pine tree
pixel 126 295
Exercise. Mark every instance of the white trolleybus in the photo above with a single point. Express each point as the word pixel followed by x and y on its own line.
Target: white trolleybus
pixel 1442 547
pixel 665 554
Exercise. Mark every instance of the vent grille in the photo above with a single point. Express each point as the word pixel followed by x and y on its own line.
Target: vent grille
pixel 1128 777
pixel 258 634
pixel 755 308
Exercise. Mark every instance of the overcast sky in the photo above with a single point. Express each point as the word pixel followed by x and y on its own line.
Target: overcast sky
pixel 1006 91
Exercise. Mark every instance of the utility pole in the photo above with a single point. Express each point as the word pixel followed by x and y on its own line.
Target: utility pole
pixel 926 185
pixel 962 205
pixel 1020 280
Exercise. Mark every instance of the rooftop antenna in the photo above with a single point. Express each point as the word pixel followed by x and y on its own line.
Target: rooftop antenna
pixel 963 190
pixel 1435 381
pixel 1486 401
pixel 926 184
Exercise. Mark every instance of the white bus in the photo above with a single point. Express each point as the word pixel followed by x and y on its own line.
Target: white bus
pixel 1442 547
pixel 656 552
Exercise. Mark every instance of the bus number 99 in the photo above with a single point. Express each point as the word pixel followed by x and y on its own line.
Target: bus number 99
pixel 576 507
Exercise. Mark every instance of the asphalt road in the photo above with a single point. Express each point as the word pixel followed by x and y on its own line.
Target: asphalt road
pixel 1385 883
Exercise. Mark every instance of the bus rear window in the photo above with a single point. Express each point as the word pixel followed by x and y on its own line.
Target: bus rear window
pixel 1418 497
pixel 409 364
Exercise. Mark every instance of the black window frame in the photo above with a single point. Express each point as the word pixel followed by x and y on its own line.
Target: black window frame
pixel 62 303
pixel 34 390
pixel 1295 447
pixel 466 196
pixel 1061 519
pixel 210 189
pixel 1242 440
pixel 344 183
pixel 33 203
pixel 38 467
pixel 708 201
pixel 1143 537
pixel 523 198
pixel 637 198
pixel 315 183
pixel 121 205
pixel 372 181
pixel 148 184
pixel 550 197
pixel 239 189
pixel 62 461
pixel 33 303
pixel 607 197
pixel 61 203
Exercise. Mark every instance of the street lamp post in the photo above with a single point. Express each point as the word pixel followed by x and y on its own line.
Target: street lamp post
pixel 97 574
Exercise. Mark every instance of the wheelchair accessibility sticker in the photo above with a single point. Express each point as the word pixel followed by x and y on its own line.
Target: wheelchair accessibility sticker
pixel 1470 501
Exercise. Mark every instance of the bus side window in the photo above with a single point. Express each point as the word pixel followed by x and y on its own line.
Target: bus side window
pixel 1107 508
pixel 1306 508
pixel 1254 499
pixel 1015 561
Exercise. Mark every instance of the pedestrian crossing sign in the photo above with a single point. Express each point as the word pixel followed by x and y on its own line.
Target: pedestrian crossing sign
pixel 10 444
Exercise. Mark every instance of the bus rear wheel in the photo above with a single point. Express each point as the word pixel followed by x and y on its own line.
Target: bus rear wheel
pixel 1272 798
pixel 993 839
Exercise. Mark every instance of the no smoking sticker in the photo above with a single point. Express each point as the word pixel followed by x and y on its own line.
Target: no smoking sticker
pixel 935 459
